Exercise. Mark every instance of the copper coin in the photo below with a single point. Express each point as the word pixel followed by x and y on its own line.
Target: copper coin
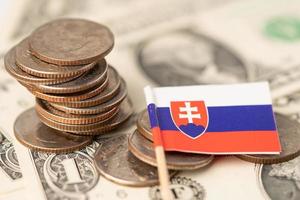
pixel 113 160
pixel 23 77
pixel 88 80
pixel 113 102
pixel 61 117
pixel 36 67
pixel 289 135
pixel 110 91
pixel 142 148
pixel 71 128
pixel 59 98
pixel 71 42
pixel 143 125
pixel 125 111
pixel 70 115
pixel 32 133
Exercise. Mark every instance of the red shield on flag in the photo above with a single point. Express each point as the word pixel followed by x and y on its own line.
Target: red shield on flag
pixel 190 117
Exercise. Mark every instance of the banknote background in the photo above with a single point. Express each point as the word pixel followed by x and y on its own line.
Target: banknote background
pixel 161 43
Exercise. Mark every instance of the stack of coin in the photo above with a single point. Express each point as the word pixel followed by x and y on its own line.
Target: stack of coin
pixel 78 95
pixel 141 146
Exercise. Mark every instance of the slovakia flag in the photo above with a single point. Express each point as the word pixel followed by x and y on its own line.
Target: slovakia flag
pixel 214 119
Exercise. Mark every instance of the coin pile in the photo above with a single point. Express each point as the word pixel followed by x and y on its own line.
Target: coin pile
pixel 135 152
pixel 78 95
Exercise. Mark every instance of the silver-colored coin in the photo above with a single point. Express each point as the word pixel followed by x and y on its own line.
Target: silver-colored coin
pixel 280 181
pixel 142 148
pixel 116 163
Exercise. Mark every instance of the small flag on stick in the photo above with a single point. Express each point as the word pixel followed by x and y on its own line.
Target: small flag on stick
pixel 214 119
pixel 158 145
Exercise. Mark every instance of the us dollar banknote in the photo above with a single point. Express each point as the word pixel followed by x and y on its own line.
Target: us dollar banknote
pixel 145 46
pixel 268 38
pixel 10 173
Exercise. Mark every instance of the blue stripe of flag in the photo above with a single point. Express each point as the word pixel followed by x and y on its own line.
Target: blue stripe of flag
pixel 153 116
pixel 228 118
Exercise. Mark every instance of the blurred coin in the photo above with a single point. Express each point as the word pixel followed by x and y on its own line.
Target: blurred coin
pixel 64 118
pixel 88 80
pixel 71 42
pixel 143 150
pixel 116 163
pixel 143 125
pixel 113 102
pixel 36 67
pixel 289 135
pixel 59 98
pixel 125 110
pixel 32 133
pixel 24 78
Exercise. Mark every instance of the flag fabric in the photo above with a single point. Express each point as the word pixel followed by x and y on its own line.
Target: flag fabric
pixel 214 119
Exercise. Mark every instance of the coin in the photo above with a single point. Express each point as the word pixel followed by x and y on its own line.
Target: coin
pixel 71 42
pixel 36 67
pixel 23 77
pixel 125 110
pixel 143 125
pixel 117 164
pixel 65 118
pixel 113 102
pixel 70 115
pixel 142 148
pixel 289 135
pixel 73 96
pixel 32 133
pixel 89 79
pixel 110 91
pixel 67 127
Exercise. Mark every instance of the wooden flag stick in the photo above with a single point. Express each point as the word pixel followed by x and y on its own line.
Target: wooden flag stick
pixel 163 172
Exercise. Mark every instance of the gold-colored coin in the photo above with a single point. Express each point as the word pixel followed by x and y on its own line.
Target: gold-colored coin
pixel 32 133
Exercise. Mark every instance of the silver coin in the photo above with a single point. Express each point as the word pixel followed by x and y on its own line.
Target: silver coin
pixel 116 163
pixel 280 181
pixel 142 148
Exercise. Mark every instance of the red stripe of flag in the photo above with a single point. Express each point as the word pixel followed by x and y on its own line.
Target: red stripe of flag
pixel 235 141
